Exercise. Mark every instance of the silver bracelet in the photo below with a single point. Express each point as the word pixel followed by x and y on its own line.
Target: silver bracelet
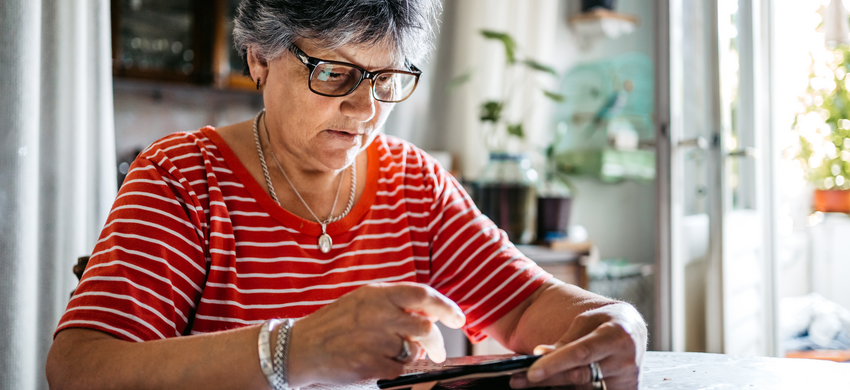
pixel 265 350
pixel 281 354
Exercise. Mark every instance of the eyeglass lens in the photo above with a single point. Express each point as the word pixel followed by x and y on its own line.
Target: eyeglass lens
pixel 339 80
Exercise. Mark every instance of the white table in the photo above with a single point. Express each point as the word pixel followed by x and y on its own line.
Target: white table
pixel 673 370
pixel 669 370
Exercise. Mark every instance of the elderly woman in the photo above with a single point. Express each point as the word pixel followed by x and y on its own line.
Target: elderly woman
pixel 304 247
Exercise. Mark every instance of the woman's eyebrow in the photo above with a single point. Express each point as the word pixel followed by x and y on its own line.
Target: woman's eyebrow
pixel 349 59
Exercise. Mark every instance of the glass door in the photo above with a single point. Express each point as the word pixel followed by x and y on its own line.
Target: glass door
pixel 740 299
pixel 715 279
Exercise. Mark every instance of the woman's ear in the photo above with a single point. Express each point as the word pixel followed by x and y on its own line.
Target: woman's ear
pixel 258 67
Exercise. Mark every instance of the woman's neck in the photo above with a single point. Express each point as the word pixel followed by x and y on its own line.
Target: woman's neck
pixel 300 177
pixel 318 189
pixel 325 192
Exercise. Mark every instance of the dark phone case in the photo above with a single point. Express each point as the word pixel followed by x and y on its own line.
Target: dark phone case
pixel 492 383
pixel 489 369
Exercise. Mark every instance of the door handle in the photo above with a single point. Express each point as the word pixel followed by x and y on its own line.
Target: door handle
pixel 744 152
pixel 699 146
pixel 698 143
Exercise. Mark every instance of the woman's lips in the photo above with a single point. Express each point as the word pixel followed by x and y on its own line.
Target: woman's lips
pixel 343 137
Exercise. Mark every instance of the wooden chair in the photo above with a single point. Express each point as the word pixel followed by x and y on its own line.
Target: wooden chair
pixel 79 268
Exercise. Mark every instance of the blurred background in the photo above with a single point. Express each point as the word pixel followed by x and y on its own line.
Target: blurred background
pixel 691 157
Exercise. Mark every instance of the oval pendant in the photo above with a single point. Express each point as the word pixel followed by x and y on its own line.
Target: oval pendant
pixel 325 243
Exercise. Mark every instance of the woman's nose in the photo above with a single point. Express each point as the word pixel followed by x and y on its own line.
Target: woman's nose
pixel 360 104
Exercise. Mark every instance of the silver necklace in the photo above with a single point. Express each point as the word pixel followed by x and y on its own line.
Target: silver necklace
pixel 325 242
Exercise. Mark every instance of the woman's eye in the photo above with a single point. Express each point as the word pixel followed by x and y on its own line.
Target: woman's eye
pixel 386 82
pixel 327 75
pixel 332 73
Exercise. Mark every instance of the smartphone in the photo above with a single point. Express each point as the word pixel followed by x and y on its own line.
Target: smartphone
pixel 483 370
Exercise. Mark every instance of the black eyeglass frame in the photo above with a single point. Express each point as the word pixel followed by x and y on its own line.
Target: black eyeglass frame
pixel 312 62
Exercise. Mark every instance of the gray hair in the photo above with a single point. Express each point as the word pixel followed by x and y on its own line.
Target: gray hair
pixel 271 26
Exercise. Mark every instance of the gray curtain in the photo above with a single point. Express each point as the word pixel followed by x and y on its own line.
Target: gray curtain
pixel 57 167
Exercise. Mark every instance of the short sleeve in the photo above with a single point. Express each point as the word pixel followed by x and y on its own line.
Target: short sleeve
pixel 472 261
pixel 146 273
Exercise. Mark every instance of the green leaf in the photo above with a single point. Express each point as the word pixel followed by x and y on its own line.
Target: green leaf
pixel 539 67
pixel 554 96
pixel 507 41
pixel 491 111
pixel 459 80
pixel 516 130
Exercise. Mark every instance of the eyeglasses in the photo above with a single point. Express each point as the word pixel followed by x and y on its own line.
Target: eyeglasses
pixel 334 78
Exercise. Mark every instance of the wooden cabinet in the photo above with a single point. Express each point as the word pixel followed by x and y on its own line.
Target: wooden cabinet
pixel 228 65
pixel 566 265
pixel 184 41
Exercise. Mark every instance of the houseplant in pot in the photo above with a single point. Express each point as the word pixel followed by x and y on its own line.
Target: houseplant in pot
pixel 824 133
pixel 554 197
pixel 507 189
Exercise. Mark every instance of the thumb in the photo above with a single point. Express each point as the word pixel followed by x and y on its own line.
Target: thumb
pixel 543 349
pixel 580 327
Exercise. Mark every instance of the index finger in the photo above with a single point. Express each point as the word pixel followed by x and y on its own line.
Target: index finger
pixel 423 299
pixel 593 347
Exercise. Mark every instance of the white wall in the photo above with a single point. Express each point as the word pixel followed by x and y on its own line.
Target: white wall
pixel 620 218
pixel 146 111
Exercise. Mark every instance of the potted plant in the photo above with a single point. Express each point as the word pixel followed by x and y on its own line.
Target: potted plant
pixel 823 130
pixel 507 189
pixel 497 127
pixel 554 197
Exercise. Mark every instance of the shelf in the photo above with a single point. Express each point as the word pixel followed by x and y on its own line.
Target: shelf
pixel 601 23
pixel 602 14
pixel 156 88
pixel 608 165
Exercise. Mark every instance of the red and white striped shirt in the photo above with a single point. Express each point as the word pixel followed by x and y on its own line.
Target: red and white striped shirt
pixel 194 244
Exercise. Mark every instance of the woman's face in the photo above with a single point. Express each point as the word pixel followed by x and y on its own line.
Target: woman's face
pixel 320 133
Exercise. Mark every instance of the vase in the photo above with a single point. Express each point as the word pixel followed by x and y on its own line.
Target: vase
pixel 506 192
pixel 588 5
pixel 554 200
pixel 832 201
pixel 553 217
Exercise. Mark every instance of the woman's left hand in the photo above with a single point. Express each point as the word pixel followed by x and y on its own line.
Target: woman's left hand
pixel 614 336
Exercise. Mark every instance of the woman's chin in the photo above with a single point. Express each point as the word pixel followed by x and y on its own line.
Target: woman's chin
pixel 334 156
pixel 339 159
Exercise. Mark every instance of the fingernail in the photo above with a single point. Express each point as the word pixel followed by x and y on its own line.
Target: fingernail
pixel 542 349
pixel 535 374
pixel 460 318
pixel 459 312
pixel 518 382
pixel 437 356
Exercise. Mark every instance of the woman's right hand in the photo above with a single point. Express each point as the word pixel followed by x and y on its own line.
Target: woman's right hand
pixel 359 335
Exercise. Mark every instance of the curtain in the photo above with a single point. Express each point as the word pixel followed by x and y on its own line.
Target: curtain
pixel 57 167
